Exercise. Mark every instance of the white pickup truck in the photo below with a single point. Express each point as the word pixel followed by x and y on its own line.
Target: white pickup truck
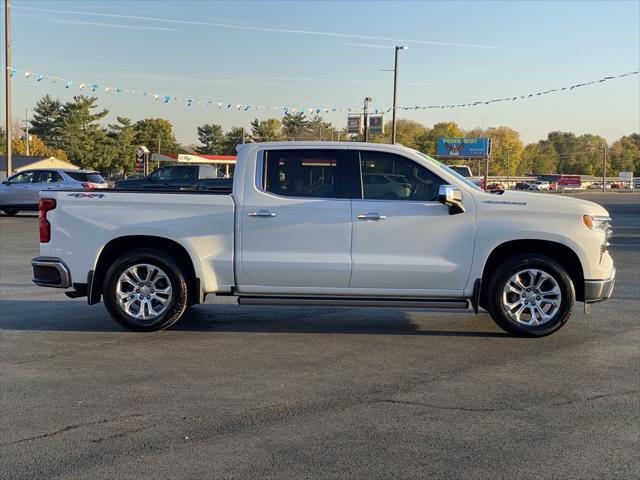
pixel 337 224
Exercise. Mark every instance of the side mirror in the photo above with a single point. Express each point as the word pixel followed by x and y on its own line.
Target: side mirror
pixel 451 197
pixel 6 182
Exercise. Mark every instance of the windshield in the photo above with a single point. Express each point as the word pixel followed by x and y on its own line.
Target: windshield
pixel 449 170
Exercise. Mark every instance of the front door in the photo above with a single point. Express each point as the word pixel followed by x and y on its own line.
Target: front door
pixel 296 222
pixel 404 240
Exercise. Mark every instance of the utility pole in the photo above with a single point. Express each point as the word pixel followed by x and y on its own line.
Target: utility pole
pixel 604 168
pixel 395 92
pixel 26 131
pixel 7 78
pixel 366 117
pixel 508 168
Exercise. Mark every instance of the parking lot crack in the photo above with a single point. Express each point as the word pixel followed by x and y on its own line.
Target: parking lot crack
pixel 73 427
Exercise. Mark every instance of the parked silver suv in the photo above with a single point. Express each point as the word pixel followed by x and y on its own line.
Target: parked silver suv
pixel 21 191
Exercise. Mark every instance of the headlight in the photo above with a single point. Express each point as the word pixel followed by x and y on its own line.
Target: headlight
pixel 600 223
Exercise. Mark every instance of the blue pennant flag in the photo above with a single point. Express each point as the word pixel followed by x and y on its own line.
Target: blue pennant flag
pixel 69 82
pixel 167 98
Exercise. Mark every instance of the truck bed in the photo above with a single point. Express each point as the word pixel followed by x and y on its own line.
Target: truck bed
pixel 200 221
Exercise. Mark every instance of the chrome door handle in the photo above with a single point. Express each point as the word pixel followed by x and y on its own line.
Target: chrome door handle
pixel 371 216
pixel 262 213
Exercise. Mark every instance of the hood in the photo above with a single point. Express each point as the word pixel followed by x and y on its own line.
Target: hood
pixel 552 202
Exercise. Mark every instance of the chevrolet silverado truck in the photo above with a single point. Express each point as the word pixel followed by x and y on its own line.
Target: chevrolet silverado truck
pixel 301 226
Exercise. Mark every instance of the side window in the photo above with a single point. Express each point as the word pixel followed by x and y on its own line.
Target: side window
pixel 208 171
pixel 386 176
pixel 306 173
pixel 46 176
pixel 23 177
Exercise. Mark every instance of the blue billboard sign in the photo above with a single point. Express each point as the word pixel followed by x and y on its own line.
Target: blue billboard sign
pixel 456 147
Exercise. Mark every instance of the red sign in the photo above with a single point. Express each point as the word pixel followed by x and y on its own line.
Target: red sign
pixel 569 181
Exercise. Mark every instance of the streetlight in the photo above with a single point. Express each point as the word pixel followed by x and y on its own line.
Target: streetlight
pixel 366 116
pixel 395 91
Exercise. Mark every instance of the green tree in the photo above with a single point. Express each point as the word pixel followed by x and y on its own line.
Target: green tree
pixel 624 155
pixel 81 136
pixel 48 116
pixel 211 137
pixel 122 135
pixel 318 129
pixel 295 126
pixel 235 136
pixel 154 132
pixel 269 130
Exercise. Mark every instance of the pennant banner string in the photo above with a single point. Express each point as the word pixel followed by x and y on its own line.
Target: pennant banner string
pixel 189 101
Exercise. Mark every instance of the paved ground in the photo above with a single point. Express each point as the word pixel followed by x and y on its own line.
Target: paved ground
pixel 254 392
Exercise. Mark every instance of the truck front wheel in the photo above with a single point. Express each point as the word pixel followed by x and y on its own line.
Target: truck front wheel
pixel 531 295
pixel 145 290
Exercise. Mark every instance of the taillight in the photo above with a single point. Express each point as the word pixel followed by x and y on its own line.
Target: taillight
pixel 44 206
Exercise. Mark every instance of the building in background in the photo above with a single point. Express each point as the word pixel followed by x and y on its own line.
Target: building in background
pixel 25 162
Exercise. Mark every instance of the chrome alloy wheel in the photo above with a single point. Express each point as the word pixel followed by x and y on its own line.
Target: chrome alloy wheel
pixel 143 291
pixel 531 297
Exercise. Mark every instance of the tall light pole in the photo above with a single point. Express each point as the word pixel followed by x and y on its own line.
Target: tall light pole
pixel 604 168
pixel 395 92
pixel 26 131
pixel 366 117
pixel 7 78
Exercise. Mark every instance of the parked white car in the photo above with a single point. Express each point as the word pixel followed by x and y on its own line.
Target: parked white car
pixel 298 228
pixel 21 191
pixel 540 186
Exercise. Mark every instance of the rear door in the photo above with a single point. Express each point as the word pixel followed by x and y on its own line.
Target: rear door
pixel 295 222
pixel 404 240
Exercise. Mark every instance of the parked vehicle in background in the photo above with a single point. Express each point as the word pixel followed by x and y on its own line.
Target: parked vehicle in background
pixel 492 187
pixel 177 177
pixel 21 191
pixel 298 228
pixel 636 183
pixel 391 186
pixel 598 186
pixel 465 171
pixel 523 186
pixel 540 186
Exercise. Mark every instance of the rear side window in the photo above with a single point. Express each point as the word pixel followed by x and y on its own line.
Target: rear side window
pixel 46 176
pixel 93 177
pixel 386 176
pixel 208 171
pixel 306 173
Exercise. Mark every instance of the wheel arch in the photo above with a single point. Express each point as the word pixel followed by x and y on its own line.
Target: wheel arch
pixel 562 254
pixel 120 245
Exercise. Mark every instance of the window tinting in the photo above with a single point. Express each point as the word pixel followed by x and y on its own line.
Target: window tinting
pixel 92 177
pixel 387 176
pixel 306 173
pixel 47 177
pixel 24 177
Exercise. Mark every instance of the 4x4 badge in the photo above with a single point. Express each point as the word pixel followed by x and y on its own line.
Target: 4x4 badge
pixel 86 195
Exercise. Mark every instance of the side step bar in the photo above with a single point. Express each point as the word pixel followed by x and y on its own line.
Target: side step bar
pixel 447 304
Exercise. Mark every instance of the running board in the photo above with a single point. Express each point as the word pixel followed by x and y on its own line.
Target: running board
pixel 448 304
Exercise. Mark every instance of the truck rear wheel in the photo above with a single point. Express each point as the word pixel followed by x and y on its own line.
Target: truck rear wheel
pixel 531 296
pixel 145 290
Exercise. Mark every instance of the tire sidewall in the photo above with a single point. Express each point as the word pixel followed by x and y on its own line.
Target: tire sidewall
pixel 539 262
pixel 174 273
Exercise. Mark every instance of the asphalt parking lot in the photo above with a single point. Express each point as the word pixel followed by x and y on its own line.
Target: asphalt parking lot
pixel 260 392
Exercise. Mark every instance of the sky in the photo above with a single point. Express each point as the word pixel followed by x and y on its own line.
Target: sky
pixel 332 54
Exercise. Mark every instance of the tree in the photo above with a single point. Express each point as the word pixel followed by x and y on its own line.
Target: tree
pixel 122 135
pixel 212 137
pixel 625 154
pixel 36 148
pixel 318 129
pixel 81 136
pixel 295 126
pixel 269 130
pixel 232 138
pixel 48 116
pixel 156 133
pixel 426 141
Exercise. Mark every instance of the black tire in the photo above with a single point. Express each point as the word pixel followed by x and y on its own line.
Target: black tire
pixel 177 304
pixel 517 264
pixel 11 212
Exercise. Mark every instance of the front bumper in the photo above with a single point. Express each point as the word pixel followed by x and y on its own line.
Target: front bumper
pixel 50 272
pixel 599 290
